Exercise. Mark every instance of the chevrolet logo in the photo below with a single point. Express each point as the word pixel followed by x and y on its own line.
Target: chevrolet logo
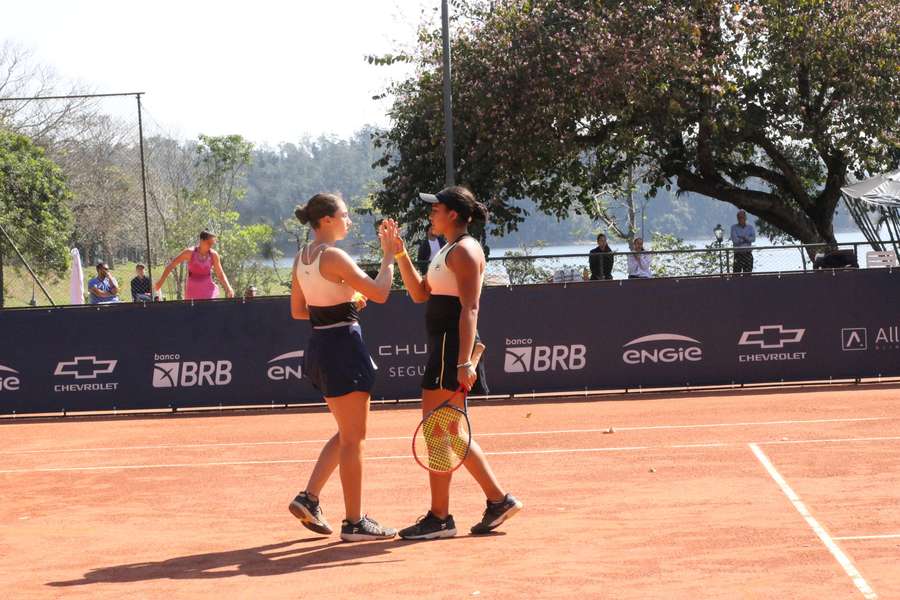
pixel 771 336
pixel 86 367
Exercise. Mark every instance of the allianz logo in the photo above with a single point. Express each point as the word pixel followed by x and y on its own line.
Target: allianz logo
pixel 523 356
pixel 662 348
pixel 285 367
pixel 169 371
pixel 9 380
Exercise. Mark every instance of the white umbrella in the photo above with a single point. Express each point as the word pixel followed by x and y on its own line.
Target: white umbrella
pixel 76 283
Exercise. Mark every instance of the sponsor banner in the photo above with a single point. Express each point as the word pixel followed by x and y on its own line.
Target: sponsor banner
pixel 592 335
pixel 9 380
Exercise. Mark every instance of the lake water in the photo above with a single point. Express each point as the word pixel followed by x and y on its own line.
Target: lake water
pixel 782 260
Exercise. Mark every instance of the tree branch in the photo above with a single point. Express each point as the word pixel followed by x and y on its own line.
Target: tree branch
pixel 762 204
pixel 793 184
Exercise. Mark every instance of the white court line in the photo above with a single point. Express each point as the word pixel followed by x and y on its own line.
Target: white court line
pixel 886 536
pixel 845 562
pixel 479 434
pixel 300 460
pixel 832 440
pixel 408 456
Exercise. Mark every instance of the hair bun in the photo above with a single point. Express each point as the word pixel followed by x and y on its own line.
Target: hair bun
pixel 302 214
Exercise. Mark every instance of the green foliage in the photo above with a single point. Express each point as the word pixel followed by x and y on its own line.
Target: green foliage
pixel 684 262
pixel 222 164
pixel 210 201
pixel 522 269
pixel 280 179
pixel 768 105
pixel 33 210
pixel 245 252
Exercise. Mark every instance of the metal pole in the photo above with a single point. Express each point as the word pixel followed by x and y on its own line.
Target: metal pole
pixel 27 266
pixel 450 176
pixel 144 189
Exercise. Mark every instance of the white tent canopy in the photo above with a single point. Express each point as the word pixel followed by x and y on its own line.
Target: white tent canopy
pixel 881 190
pixel 874 204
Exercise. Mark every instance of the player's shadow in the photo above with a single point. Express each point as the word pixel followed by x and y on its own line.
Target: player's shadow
pixel 260 561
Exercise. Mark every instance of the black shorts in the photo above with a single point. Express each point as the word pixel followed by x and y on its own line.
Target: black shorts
pixel 337 361
pixel 440 371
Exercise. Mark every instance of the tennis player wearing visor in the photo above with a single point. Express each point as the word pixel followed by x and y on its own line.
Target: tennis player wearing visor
pixel 452 289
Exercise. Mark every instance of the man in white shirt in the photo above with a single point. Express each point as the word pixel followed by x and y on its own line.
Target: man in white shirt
pixel 742 237
pixel 638 262
pixel 428 247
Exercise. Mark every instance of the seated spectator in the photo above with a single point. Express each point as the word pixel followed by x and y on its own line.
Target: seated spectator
pixel 832 258
pixel 601 260
pixel 103 288
pixel 639 261
pixel 250 292
pixel 141 285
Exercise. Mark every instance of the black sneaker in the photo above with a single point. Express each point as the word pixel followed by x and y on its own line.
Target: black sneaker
pixel 430 527
pixel 366 530
pixel 496 513
pixel 310 513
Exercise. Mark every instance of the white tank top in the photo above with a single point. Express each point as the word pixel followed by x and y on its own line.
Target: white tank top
pixel 441 279
pixel 318 290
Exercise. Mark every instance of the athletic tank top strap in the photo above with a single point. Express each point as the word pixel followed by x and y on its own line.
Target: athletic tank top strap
pixel 329 303
pixel 440 279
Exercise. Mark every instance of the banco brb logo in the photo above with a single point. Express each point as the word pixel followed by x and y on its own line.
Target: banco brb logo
pixel 521 358
pixel 178 373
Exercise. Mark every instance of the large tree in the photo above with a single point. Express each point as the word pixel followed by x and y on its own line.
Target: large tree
pixel 33 211
pixel 770 105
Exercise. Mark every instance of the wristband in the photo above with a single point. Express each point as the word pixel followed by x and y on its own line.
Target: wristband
pixel 465 364
pixel 400 255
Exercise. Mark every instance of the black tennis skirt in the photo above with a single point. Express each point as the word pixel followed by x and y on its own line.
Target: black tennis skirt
pixel 337 361
pixel 440 371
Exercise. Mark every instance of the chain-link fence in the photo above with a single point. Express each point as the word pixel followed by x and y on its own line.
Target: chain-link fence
pixel 517 268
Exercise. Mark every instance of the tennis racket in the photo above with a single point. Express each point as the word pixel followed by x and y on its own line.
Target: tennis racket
pixel 442 439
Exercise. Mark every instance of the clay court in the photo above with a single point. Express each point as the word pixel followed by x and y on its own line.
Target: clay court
pixel 783 493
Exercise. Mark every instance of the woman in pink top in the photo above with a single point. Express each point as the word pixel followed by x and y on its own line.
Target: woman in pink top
pixel 202 259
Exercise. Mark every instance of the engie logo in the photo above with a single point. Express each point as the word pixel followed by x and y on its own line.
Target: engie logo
pixel 8 380
pixel 662 348
pixel 286 370
pixel 521 358
pixel 189 373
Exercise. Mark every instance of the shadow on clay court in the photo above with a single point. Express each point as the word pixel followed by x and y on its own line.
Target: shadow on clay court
pixel 260 561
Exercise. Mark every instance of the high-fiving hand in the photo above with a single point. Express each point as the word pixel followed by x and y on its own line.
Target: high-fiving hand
pixel 390 238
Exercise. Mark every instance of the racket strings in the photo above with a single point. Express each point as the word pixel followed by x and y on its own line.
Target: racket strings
pixel 445 437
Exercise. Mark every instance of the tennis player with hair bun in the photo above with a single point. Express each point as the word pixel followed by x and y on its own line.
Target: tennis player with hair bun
pixel 325 290
pixel 452 288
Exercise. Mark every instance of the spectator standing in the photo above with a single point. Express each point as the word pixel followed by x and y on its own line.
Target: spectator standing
pixel 141 286
pixel 428 248
pixel 103 288
pixel 601 259
pixel 742 237
pixel 639 261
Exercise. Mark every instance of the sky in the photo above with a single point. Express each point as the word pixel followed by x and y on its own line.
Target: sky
pixel 271 71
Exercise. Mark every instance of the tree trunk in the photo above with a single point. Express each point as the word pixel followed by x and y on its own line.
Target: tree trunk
pixel 814 226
